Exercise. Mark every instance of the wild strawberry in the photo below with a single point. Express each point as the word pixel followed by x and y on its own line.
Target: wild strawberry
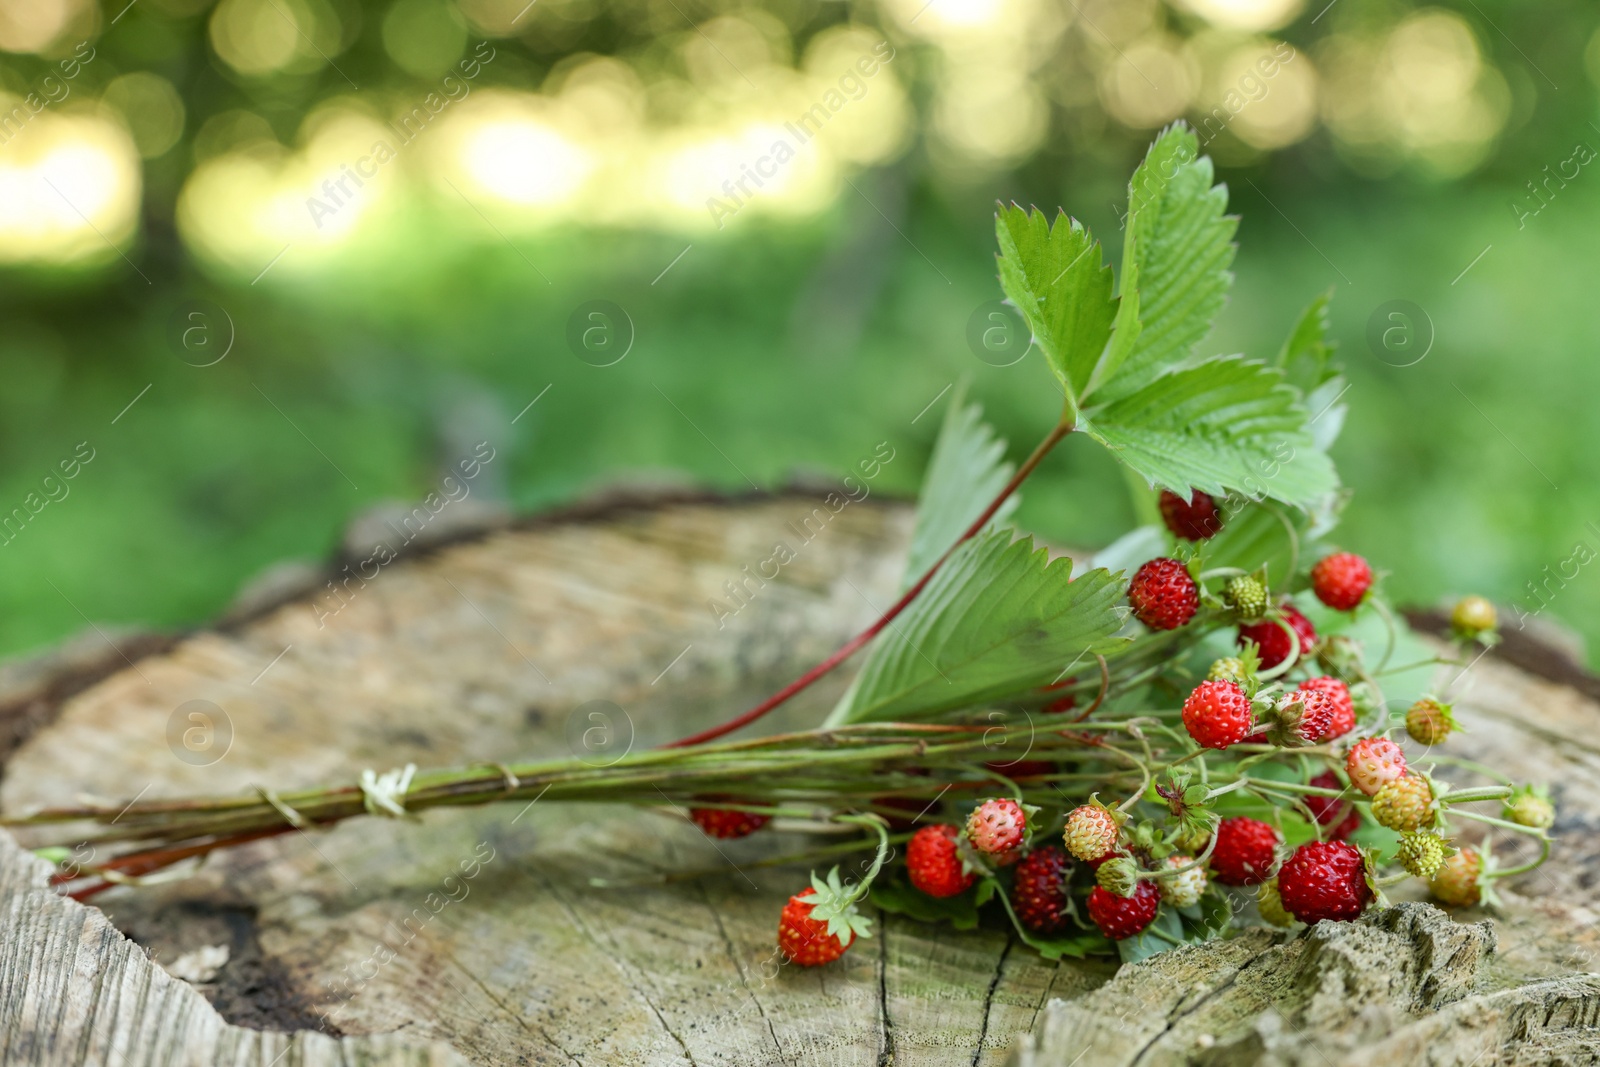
pixel 1246 596
pixel 1341 580
pixel 1530 806
pixel 1429 722
pixel 1458 882
pixel 806 941
pixel 1091 832
pixel 1421 853
pixel 1472 616
pixel 934 863
pixel 1120 917
pixel 1246 850
pixel 724 823
pixel 1404 804
pixel 1182 890
pixel 1228 669
pixel 1273 642
pixel 1194 519
pixel 1217 714
pixel 1163 595
pixel 1324 880
pixel 1339 814
pixel 997 828
pixel 817 926
pixel 1303 718
pixel 1270 904
pixel 1118 874
pixel 1039 890
pixel 1344 707
pixel 1374 762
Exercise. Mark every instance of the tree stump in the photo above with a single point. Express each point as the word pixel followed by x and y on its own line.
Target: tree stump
pixel 537 933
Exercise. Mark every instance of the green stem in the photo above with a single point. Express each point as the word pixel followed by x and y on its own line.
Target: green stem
pixel 1544 854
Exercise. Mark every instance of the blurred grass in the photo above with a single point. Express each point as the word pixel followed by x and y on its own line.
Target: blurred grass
pixel 762 352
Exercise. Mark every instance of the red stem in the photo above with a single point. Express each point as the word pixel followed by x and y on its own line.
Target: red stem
pixel 849 648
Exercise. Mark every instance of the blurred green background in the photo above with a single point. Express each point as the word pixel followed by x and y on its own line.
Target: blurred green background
pixel 551 154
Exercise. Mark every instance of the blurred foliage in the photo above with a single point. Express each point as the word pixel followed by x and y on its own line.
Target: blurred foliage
pixel 786 342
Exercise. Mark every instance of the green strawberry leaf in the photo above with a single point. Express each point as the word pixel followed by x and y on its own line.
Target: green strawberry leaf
pixel 1164 933
pixel 1072 946
pixel 967 470
pixel 1056 277
pixel 1261 536
pixel 1176 253
pixel 1209 918
pixel 899 896
pixel 999 618
pixel 1307 355
pixel 1222 425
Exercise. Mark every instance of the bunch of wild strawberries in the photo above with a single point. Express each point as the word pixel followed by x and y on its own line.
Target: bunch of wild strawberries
pixel 1245 700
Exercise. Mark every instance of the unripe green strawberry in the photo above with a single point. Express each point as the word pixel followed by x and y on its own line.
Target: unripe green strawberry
pixel 1227 669
pixel 1472 616
pixel 1246 596
pixel 1182 890
pixel 1270 904
pixel 1091 832
pixel 1421 854
pixel 1530 806
pixel 1457 881
pixel 1404 804
pixel 1119 875
pixel 1429 722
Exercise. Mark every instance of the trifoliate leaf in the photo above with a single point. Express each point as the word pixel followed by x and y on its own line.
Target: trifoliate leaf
pixel 968 469
pixel 1175 263
pixel 1225 424
pixel 999 618
pixel 1056 277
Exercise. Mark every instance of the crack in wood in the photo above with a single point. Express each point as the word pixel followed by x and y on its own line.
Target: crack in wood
pixel 886 1025
pixel 988 999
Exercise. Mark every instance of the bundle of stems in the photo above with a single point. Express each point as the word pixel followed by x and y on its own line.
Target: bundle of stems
pixel 812 775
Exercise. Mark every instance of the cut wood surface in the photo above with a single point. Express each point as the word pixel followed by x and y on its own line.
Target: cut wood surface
pixel 480 936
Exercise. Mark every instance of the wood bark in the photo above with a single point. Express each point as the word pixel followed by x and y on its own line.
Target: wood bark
pixel 372 943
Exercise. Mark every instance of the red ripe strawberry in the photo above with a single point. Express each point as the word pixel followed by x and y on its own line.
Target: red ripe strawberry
pixel 1194 519
pixel 997 828
pixel 1217 714
pixel 1246 849
pixel 1039 890
pixel 1341 580
pixel 1120 917
pixel 1163 595
pixel 1344 708
pixel 1324 880
pixel 1374 762
pixel 805 940
pixel 1273 642
pixel 1335 812
pixel 934 864
pixel 722 823
pixel 1307 716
